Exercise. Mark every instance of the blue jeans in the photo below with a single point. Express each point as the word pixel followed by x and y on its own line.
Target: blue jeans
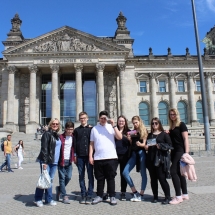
pixel 7 162
pixel 65 175
pixel 83 161
pixel 131 164
pixel 51 168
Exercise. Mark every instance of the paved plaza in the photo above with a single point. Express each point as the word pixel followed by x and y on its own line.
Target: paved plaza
pixel 17 194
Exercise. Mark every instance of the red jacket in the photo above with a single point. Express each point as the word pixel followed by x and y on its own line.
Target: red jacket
pixel 61 159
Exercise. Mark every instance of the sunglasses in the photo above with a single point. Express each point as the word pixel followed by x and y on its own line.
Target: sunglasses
pixel 55 123
pixel 154 123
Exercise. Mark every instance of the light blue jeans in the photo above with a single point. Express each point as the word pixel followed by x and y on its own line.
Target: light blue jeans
pixel 131 164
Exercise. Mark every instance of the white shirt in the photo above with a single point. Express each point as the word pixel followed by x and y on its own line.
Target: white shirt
pixel 104 142
pixel 20 149
pixel 67 147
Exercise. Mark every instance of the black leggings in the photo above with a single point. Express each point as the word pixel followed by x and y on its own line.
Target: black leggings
pixel 179 181
pixel 157 173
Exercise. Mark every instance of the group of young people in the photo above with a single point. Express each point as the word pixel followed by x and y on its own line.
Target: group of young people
pixel 104 147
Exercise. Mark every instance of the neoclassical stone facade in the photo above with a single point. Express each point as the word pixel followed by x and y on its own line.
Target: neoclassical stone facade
pixel 67 71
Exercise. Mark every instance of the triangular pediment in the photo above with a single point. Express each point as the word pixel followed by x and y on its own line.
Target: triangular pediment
pixel 66 40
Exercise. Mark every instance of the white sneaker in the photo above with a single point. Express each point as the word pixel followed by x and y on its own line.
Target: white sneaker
pixel 136 198
pixel 39 204
pixel 20 167
pixel 52 203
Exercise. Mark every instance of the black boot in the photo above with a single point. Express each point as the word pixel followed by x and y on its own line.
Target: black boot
pixel 155 199
pixel 166 201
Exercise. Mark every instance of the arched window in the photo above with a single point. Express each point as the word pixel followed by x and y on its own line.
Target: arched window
pixel 163 112
pixel 182 108
pixel 199 111
pixel 144 112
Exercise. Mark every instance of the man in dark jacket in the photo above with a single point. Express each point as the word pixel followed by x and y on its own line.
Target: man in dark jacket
pixel 82 141
pixel 65 161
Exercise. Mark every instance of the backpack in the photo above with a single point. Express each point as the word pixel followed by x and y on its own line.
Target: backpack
pixel 2 145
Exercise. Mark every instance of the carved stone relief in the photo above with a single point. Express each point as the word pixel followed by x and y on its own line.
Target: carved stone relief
pixel 64 43
pixel 110 90
pixel 24 99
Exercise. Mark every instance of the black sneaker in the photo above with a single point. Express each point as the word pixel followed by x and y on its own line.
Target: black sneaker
pixel 10 170
pixel 88 200
pixel 82 200
pixel 106 198
pixel 122 197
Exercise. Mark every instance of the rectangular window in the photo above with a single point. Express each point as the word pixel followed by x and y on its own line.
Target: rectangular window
pixel 143 88
pixel 198 86
pixel 162 86
pixel 181 86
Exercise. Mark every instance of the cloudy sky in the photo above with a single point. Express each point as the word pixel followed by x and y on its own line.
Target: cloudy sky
pixel 153 23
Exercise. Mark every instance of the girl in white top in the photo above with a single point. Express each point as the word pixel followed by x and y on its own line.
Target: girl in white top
pixel 19 149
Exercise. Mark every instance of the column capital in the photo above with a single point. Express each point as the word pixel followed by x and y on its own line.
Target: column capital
pixel 55 68
pixel 100 67
pixel 191 74
pixel 33 68
pixel 12 69
pixel 153 75
pixel 208 74
pixel 121 67
pixel 172 74
pixel 78 67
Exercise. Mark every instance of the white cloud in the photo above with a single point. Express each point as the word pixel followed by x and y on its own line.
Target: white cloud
pixel 211 4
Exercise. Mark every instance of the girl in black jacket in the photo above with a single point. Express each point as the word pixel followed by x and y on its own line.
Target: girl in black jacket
pixel 157 136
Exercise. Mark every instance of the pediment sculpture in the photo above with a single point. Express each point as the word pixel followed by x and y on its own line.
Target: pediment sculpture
pixel 65 43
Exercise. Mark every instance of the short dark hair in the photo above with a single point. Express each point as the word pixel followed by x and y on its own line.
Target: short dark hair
pixel 104 112
pixel 82 113
pixel 9 135
pixel 69 124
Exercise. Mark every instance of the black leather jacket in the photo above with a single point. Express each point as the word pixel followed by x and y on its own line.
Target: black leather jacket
pixel 48 144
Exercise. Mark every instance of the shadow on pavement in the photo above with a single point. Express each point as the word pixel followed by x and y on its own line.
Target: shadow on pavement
pixel 28 200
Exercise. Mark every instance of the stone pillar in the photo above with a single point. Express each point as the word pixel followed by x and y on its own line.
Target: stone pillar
pixel 100 86
pixel 10 100
pixel 192 102
pixel 153 95
pixel 55 92
pixel 78 83
pixel 32 125
pixel 121 69
pixel 210 99
pixel 172 90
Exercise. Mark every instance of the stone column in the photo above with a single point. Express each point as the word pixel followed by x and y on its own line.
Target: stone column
pixel 100 86
pixel 121 69
pixel 10 100
pixel 55 92
pixel 78 83
pixel 192 102
pixel 153 95
pixel 32 125
pixel 210 99
pixel 172 90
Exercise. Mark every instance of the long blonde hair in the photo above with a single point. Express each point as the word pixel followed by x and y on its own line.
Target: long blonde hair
pixel 50 124
pixel 176 122
pixel 142 128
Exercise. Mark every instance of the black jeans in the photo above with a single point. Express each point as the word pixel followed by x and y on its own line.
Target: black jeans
pixel 157 174
pixel 122 161
pixel 179 181
pixel 105 169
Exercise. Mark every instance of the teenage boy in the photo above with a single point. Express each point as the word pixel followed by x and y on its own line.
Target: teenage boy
pixel 105 161
pixel 8 150
pixel 82 142
pixel 65 162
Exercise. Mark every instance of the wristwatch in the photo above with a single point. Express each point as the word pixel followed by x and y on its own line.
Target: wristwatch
pixel 114 126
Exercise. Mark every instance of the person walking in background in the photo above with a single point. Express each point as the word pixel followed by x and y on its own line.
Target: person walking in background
pixel 19 149
pixel 179 135
pixel 105 158
pixel 65 161
pixel 8 150
pixel 138 157
pixel 49 157
pixel 160 170
pixel 82 142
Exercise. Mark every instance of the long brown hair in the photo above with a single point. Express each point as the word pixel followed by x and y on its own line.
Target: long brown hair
pixel 125 129
pixel 22 144
pixel 142 128
pixel 159 122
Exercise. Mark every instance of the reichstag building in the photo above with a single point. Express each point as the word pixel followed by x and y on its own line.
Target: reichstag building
pixel 65 71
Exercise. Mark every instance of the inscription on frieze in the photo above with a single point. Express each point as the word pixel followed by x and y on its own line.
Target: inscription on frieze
pixel 65 60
